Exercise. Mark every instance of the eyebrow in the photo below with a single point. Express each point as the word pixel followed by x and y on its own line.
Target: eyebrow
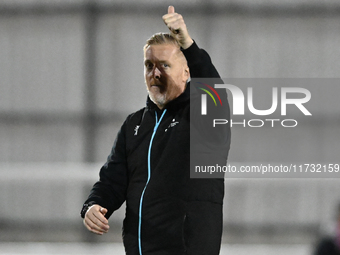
pixel 147 61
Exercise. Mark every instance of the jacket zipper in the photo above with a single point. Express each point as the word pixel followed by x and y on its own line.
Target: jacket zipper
pixel 149 175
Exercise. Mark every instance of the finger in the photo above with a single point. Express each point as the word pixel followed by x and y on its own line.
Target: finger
pixel 96 224
pixel 99 219
pixel 94 217
pixel 171 9
pixel 91 226
pixel 97 212
pixel 175 25
pixel 103 211
pixel 173 18
pixel 168 17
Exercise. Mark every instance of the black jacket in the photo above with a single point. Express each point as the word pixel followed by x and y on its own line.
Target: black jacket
pixel 327 246
pixel 166 211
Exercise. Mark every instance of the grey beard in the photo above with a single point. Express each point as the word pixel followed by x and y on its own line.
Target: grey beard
pixel 159 100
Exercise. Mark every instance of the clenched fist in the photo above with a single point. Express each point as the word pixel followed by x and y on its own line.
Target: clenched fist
pixel 95 220
pixel 176 25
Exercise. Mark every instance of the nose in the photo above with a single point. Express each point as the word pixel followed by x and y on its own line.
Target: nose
pixel 156 73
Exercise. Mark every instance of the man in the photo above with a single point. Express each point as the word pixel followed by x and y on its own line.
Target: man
pixel 166 211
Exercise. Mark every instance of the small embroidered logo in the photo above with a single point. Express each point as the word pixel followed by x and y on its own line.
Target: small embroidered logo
pixel 136 129
pixel 172 124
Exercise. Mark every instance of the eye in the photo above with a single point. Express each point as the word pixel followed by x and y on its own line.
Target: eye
pixel 148 66
pixel 165 65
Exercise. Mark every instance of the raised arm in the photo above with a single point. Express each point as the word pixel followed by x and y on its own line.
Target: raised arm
pixel 199 62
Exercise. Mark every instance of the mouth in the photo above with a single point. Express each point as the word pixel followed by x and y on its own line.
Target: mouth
pixel 159 87
pixel 156 85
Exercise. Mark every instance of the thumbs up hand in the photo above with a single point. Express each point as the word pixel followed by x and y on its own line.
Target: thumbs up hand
pixel 177 27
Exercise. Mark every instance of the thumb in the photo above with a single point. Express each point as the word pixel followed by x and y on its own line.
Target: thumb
pixel 103 210
pixel 171 9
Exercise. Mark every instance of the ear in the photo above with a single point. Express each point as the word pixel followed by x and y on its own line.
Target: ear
pixel 187 72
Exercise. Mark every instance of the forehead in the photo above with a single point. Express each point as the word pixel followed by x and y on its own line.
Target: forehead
pixel 161 52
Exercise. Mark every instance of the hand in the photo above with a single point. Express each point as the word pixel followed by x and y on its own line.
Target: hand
pixel 95 220
pixel 176 25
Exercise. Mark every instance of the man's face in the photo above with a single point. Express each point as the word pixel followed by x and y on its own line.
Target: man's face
pixel 166 73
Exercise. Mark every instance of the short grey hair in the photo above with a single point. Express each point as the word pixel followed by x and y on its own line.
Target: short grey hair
pixel 162 38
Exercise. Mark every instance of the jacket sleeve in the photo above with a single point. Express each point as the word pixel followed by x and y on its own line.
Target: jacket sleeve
pixel 206 139
pixel 199 63
pixel 110 190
